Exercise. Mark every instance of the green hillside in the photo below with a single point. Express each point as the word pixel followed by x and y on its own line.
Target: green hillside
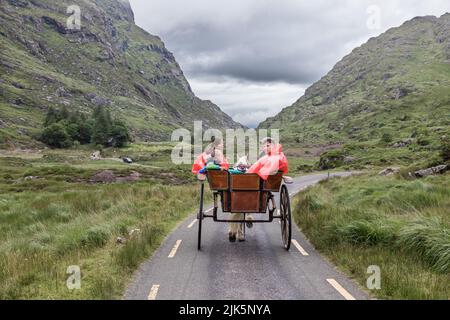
pixel 109 62
pixel 387 101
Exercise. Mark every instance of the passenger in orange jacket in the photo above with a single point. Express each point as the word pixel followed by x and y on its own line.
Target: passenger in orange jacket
pixel 272 162
pixel 213 153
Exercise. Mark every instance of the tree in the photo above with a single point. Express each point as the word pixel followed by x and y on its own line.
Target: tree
pixel 119 134
pixel 52 117
pixel 64 114
pixel 102 126
pixel 62 128
pixel 85 131
pixel 56 136
pixel 73 130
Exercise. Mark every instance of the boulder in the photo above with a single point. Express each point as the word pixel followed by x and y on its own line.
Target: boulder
pixel 431 171
pixel 389 171
pixel 121 240
pixel 96 155
pixel 134 232
pixel 349 159
pixel 98 101
pixel 403 143
pixel 62 92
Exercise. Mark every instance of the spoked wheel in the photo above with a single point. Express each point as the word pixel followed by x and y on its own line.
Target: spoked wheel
pixel 286 222
pixel 200 218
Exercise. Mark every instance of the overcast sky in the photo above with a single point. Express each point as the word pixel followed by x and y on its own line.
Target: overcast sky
pixel 254 57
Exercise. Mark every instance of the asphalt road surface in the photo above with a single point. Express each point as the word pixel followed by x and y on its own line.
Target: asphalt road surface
pixel 257 269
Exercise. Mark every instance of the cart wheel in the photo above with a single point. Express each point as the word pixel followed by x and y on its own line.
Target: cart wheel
pixel 286 222
pixel 200 217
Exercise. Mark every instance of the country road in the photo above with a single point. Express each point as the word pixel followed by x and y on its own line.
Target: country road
pixel 258 269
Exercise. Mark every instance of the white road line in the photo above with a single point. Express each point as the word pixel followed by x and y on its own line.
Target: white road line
pixel 340 289
pixel 174 249
pixel 153 292
pixel 192 223
pixel 299 247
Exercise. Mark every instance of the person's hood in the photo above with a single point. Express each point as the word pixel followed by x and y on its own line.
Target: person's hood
pixel 278 149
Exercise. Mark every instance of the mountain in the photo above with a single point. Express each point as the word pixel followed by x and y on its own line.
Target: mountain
pixel 109 62
pixel 395 85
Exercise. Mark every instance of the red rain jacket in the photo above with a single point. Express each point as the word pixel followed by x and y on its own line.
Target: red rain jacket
pixel 200 163
pixel 270 164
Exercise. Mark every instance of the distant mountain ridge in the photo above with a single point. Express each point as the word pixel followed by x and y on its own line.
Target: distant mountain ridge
pixel 109 62
pixel 396 83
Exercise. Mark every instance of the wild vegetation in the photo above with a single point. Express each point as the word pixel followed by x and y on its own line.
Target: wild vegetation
pixel 401 225
pixel 387 102
pixel 110 62
pixel 53 214
pixel 64 129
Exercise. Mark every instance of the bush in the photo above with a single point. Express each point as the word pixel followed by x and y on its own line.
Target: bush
pixel 423 141
pixel 119 134
pixel 430 239
pixel 369 232
pixel 445 149
pixel 100 129
pixel 331 159
pixel 56 136
pixel 95 237
pixel 386 137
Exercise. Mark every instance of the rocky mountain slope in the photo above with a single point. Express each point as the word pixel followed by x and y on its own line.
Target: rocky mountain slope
pixel 109 62
pixel 397 86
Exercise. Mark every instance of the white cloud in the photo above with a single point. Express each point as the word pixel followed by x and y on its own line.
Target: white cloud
pixel 248 102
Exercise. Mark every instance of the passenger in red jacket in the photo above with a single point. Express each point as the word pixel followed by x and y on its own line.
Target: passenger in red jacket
pixel 213 153
pixel 272 161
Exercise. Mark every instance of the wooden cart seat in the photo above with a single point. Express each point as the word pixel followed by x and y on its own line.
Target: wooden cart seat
pixel 243 193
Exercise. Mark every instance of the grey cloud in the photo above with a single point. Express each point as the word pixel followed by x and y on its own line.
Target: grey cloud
pixel 272 43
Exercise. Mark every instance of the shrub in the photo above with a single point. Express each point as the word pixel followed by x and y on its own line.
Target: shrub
pixel 386 137
pixel 369 232
pixel 423 141
pixel 119 134
pixel 430 239
pixel 445 149
pixel 56 136
pixel 95 237
pixel 331 159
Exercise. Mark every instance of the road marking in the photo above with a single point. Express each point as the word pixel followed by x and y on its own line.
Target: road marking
pixel 340 289
pixel 299 247
pixel 174 249
pixel 153 292
pixel 192 223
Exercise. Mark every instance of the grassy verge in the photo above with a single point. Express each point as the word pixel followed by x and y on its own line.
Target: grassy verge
pixel 402 226
pixel 52 217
